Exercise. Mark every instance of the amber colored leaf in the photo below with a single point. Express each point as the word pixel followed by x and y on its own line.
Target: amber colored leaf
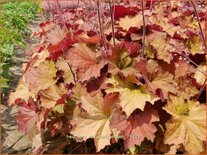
pixel 94 124
pixel 62 65
pixel 41 57
pixel 131 100
pixel 131 21
pixel 148 68
pixel 22 91
pixel 156 78
pixel 49 96
pixel 199 76
pixel 120 55
pixel 186 87
pixel 187 125
pixel 195 45
pixel 152 67
pixel 170 28
pixel 41 77
pixel 165 82
pixel 156 40
pixel 37 58
pixel 84 61
pixel 183 69
pixel 137 127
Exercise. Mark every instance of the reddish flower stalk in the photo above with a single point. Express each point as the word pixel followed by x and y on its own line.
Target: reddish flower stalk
pixel 199 23
pixel 204 42
pixel 100 24
pixel 60 13
pixel 76 10
pixel 194 64
pixel 151 4
pixel 112 22
pixel 50 10
pixel 144 30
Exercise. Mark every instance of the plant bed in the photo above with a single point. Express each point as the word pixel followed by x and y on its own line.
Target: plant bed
pixel 125 77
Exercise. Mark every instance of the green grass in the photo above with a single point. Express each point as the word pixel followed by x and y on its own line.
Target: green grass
pixel 14 18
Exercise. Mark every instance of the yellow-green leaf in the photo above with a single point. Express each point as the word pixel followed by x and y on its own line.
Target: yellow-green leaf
pixel 187 125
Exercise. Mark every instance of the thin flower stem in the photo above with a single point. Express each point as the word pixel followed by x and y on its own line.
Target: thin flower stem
pixel 100 24
pixel 144 30
pixel 75 148
pixel 73 74
pixel 76 10
pixel 16 142
pixel 112 22
pixel 194 64
pixel 199 23
pixel 60 13
pixel 204 43
pixel 50 10
pixel 90 3
pixel 151 4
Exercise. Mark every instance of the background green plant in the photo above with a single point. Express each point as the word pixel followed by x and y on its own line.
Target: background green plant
pixel 14 18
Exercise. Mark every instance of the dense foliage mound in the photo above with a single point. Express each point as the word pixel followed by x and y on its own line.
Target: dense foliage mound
pixel 119 74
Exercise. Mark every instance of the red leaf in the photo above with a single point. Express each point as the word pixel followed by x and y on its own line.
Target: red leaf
pixel 156 27
pixel 28 115
pixel 121 11
pixel 202 16
pixel 57 50
pixel 44 23
pixel 132 47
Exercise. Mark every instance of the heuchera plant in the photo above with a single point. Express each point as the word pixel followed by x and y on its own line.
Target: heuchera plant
pixel 108 71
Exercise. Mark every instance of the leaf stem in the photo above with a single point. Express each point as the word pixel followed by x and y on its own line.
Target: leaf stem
pixel 100 24
pixel 112 22
pixel 60 13
pixel 144 30
pixel 151 4
pixel 76 10
pixel 199 23
pixel 194 64
pixel 75 148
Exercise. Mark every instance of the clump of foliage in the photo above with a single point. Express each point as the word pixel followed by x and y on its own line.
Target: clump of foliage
pixel 15 18
pixel 126 74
